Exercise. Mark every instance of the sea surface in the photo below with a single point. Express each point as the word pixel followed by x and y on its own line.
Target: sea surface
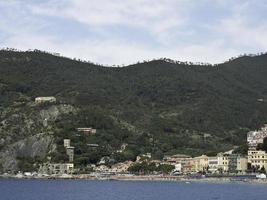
pixel 127 190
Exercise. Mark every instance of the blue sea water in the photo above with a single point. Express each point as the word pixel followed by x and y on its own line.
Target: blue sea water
pixel 127 190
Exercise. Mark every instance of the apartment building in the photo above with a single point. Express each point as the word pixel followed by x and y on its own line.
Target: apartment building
pixel 223 162
pixel 257 159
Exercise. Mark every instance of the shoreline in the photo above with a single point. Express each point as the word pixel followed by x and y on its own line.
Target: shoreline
pixel 187 180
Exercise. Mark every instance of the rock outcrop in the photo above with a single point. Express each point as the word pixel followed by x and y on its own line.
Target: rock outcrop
pixel 27 131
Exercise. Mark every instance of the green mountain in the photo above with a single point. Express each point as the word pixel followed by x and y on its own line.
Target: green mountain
pixel 160 106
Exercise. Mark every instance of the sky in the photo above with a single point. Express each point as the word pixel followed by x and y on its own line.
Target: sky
pixel 126 31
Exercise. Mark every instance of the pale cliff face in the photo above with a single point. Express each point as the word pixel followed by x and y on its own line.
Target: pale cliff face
pixel 27 132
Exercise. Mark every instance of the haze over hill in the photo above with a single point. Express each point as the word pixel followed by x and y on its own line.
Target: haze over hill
pixel 156 106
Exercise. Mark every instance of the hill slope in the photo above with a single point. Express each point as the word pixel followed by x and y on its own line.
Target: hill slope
pixel 157 106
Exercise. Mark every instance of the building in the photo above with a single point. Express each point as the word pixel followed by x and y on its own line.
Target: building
pixel 70 153
pixel 45 99
pixel 188 166
pixel 181 162
pixel 143 157
pixel 256 137
pixel 242 164
pixel 178 167
pixel 121 167
pixel 257 159
pixel 93 146
pixel 69 149
pixel 201 163
pixel 232 163
pixel 60 168
pixel 237 163
pixel 177 158
pixel 223 162
pixel 66 143
pixel 213 164
pixel 56 168
pixel 101 168
pixel 87 130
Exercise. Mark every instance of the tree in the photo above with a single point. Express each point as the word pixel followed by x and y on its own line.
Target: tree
pixel 262 170
pixel 166 169
pixel 264 146
pixel 242 149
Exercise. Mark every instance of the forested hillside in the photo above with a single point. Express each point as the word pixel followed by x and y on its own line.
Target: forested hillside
pixel 158 106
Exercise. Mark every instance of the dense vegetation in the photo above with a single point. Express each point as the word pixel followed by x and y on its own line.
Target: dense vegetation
pixel 263 146
pixel 158 106
pixel 149 168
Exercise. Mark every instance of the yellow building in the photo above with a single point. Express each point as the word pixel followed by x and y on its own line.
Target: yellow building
pixel 201 163
pixel 257 159
pixel 223 162
pixel 242 164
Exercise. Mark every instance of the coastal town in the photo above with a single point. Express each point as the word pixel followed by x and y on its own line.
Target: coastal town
pixel 224 164
pixel 133 100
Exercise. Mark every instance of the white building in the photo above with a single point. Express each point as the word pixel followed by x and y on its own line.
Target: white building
pixel 178 167
pixel 121 167
pixel 87 130
pixel 213 164
pixel 66 143
pixel 143 157
pixel 56 168
pixel 256 137
pixel 101 168
pixel 45 99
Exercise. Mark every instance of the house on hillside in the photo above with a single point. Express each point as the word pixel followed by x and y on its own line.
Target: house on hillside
pixel 88 131
pixel 69 149
pixel 256 137
pixel 66 143
pixel 45 100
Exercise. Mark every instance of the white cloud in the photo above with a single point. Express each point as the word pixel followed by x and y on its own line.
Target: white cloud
pixel 157 17
pixel 167 28
pixel 105 12
pixel 244 31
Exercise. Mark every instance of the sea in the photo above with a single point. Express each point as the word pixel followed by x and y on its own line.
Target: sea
pixel 127 190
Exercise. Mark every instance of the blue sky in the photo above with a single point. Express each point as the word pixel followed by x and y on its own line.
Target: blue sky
pixel 127 31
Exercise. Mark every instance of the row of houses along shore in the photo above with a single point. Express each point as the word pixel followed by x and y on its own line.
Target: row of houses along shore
pixel 223 163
